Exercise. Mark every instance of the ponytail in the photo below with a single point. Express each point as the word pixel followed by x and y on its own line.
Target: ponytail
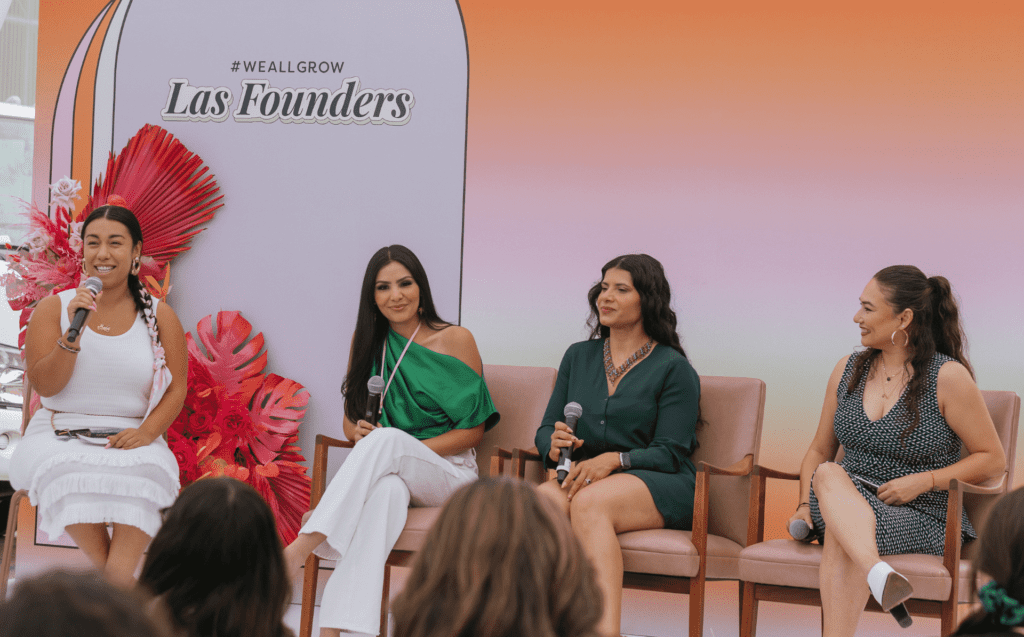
pixel 935 328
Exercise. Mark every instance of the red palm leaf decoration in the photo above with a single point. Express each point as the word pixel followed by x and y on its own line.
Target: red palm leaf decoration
pixel 238 421
pixel 166 186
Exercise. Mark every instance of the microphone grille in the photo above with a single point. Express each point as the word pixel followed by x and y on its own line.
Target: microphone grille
pixel 573 409
pixel 94 284
pixel 375 385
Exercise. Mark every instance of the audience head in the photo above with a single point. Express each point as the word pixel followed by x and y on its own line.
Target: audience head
pixel 648 279
pixel 499 562
pixel 924 318
pixel 61 603
pixel 372 324
pixel 217 562
pixel 999 554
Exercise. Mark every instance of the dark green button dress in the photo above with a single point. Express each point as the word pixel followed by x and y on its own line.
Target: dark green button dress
pixel 652 415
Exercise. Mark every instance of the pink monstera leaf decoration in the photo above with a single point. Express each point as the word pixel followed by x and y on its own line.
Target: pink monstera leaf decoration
pixel 251 418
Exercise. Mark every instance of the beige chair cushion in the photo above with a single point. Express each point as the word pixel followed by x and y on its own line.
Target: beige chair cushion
pixel 671 552
pixel 792 563
pixel 416 526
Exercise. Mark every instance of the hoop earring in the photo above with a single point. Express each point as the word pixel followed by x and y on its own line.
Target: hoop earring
pixel 136 266
pixel 892 339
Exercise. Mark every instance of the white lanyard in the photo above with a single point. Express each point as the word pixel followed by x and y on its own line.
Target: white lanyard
pixel 383 354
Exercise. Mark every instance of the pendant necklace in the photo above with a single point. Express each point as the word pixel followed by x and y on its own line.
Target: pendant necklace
pixel 103 327
pixel 609 366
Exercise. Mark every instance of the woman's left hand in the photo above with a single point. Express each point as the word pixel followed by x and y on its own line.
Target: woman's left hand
pixel 129 439
pixel 902 490
pixel 588 471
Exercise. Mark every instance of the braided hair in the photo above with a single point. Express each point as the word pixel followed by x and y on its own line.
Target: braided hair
pixel 143 300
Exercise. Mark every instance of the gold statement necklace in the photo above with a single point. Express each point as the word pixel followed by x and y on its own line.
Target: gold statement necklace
pixel 609 367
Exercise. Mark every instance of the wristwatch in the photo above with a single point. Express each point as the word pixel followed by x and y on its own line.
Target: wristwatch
pixel 624 460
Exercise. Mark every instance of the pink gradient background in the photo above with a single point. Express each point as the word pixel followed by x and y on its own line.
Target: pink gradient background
pixel 773 156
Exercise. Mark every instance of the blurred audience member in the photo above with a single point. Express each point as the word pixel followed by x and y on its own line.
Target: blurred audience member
pixel 499 562
pixel 217 565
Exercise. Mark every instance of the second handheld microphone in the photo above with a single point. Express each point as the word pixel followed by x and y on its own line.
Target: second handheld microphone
pixel 375 385
pixel 572 413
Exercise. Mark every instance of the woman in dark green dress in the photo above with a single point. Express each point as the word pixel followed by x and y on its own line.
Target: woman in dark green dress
pixel 640 397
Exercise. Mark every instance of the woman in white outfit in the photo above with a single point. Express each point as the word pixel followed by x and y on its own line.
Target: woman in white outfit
pixel 114 379
pixel 434 410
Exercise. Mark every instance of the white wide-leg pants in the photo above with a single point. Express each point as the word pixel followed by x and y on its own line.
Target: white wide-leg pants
pixel 363 511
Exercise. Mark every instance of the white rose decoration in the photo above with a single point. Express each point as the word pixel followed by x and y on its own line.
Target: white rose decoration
pixel 64 191
pixel 75 236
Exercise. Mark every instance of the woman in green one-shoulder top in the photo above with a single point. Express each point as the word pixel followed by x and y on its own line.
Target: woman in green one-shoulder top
pixel 432 414
pixel 639 399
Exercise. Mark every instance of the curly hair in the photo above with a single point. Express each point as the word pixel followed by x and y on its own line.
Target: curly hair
pixel 372 327
pixel 659 319
pixel 499 562
pixel 935 327
pixel 999 553
pixel 60 603
pixel 217 564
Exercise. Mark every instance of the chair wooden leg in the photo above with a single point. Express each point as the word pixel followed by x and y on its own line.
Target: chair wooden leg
pixel 385 601
pixel 9 540
pixel 748 610
pixel 309 582
pixel 697 587
pixel 948 617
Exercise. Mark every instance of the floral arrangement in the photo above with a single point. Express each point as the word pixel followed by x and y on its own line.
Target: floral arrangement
pixel 237 421
pixel 240 422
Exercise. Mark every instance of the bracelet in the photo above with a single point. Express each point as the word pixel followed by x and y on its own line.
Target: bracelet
pixel 73 350
pixel 932 474
pixel 803 504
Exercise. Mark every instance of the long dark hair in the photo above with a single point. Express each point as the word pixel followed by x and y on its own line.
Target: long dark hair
pixel 217 563
pixel 499 562
pixel 80 603
pixel 999 553
pixel 659 319
pixel 126 218
pixel 655 300
pixel 935 328
pixel 372 327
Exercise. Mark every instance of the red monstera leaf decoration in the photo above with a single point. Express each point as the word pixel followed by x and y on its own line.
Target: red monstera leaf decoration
pixel 241 422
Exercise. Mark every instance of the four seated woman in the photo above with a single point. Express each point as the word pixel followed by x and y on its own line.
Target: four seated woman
pixel 640 412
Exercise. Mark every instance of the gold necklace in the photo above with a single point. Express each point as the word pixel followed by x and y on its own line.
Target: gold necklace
pixel 885 372
pixel 609 366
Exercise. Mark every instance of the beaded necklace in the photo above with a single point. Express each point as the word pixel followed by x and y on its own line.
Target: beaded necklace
pixel 609 366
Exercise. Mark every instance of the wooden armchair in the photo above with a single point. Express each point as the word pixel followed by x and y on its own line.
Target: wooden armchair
pixel 787 570
pixel 520 395
pixel 681 561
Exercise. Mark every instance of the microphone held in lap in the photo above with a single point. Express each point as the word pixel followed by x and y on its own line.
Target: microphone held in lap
pixel 375 385
pixel 572 413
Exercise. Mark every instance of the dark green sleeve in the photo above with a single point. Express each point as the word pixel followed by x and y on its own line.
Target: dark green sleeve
pixel 553 413
pixel 675 429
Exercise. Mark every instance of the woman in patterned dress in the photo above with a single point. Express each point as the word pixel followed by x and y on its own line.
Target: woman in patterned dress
pixel 901 409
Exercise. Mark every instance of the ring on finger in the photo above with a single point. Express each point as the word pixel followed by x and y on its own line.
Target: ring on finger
pixel 586 481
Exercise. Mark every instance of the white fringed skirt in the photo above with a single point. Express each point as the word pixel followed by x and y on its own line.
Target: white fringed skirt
pixel 76 482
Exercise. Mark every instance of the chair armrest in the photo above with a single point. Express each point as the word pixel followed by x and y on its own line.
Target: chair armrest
pixel 967 487
pixel 333 442
pixel 740 468
pixel 498 461
pixel 519 458
pixel 765 472
pixel 319 482
pixel 755 514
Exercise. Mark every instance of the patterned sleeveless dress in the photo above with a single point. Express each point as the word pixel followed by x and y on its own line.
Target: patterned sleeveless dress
pixel 875 452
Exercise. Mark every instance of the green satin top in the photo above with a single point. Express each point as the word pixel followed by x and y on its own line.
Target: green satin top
pixel 432 393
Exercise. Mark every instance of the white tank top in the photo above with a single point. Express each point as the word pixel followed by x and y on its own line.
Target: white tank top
pixel 113 374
